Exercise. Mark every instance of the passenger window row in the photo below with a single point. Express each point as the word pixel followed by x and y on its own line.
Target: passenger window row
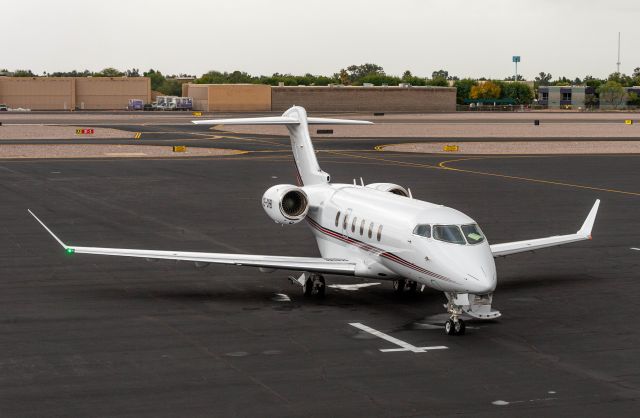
pixel 354 223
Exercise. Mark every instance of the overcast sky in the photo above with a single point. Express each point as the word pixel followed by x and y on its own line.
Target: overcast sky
pixel 472 38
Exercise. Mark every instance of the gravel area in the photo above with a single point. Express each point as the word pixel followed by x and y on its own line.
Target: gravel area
pixel 505 147
pixel 10 151
pixel 453 130
pixel 24 131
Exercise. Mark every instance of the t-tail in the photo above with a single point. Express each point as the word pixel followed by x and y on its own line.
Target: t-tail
pixel 297 122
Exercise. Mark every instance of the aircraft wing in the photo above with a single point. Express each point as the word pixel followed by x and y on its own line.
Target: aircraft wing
pixel 309 264
pixel 508 248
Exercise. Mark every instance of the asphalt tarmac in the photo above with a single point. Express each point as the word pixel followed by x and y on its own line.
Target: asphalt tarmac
pixel 98 336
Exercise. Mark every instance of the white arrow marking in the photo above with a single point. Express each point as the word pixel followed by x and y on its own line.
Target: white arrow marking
pixel 404 345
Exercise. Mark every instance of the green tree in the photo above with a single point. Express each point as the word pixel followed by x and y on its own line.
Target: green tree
pixel 134 72
pixel 622 79
pixel 440 74
pixel 109 72
pixel 156 79
pixel 633 99
pixel 520 93
pixel 611 94
pixel 357 72
pixel 543 79
pixel 23 73
pixel 380 79
pixel 438 81
pixel 463 89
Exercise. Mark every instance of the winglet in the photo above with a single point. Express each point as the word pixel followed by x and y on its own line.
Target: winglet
pixel 588 223
pixel 67 248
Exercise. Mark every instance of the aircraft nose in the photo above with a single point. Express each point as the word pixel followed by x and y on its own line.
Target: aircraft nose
pixel 483 279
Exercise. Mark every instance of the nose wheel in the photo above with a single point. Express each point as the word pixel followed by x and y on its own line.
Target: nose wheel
pixel 454 327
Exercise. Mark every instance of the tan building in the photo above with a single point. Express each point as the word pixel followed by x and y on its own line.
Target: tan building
pixel 257 98
pixel 69 93
pixel 365 99
pixel 229 97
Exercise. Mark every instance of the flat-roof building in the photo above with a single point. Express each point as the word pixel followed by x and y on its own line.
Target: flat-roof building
pixel 70 93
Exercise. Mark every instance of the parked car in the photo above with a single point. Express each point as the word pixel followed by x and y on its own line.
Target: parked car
pixel 3 108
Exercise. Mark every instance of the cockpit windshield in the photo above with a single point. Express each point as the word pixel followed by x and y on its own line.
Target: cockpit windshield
pixel 472 233
pixel 422 230
pixel 448 233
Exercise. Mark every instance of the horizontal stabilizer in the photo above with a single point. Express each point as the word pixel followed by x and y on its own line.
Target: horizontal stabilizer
pixel 280 120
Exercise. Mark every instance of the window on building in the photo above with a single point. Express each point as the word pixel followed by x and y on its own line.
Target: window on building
pixel 545 96
pixel 379 233
pixel 566 97
pixel 337 218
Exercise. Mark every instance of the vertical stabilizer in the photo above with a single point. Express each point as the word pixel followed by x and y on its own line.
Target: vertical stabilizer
pixel 309 170
pixel 297 122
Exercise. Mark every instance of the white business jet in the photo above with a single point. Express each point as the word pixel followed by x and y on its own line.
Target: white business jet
pixel 374 231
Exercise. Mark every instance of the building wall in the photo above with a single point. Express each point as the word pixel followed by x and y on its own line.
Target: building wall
pixel 239 98
pixel 37 92
pixel 200 95
pixel 67 93
pixel 101 93
pixel 383 99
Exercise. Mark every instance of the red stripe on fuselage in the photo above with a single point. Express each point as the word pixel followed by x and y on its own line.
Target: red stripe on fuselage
pixel 374 250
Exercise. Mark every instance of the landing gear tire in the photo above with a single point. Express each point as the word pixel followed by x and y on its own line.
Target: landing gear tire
pixel 452 327
pixel 314 285
pixel 321 288
pixel 307 288
pixel 448 327
pixel 412 286
pixel 398 286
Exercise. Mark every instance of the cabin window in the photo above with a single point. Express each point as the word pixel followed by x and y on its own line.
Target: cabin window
pixel 379 233
pixel 472 233
pixel 345 222
pixel 422 230
pixel 337 218
pixel 448 233
pixel 362 227
pixel 353 224
pixel 370 229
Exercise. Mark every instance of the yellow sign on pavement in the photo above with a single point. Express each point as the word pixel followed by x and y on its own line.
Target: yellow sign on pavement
pixel 628 122
pixel 197 113
pixel 451 148
pixel 179 148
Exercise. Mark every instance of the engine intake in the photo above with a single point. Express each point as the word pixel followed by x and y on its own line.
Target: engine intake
pixel 390 187
pixel 285 203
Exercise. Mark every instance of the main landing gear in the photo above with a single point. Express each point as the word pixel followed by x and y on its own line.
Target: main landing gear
pixel 312 284
pixel 400 285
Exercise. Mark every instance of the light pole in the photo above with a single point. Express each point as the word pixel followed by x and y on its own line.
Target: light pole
pixel 516 60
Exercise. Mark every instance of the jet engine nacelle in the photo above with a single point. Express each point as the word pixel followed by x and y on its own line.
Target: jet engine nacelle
pixel 390 187
pixel 285 203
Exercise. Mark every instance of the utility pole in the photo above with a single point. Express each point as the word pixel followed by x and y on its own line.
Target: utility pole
pixel 618 63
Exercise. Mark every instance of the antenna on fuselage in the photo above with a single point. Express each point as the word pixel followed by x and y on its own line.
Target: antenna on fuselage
pixel 410 195
pixel 361 182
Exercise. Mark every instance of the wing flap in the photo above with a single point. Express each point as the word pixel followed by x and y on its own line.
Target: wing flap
pixel 508 248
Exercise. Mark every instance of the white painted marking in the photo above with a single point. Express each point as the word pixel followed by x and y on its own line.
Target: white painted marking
pixel 500 403
pixel 404 345
pixel 352 287
pixel 281 297
pixel 634 248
